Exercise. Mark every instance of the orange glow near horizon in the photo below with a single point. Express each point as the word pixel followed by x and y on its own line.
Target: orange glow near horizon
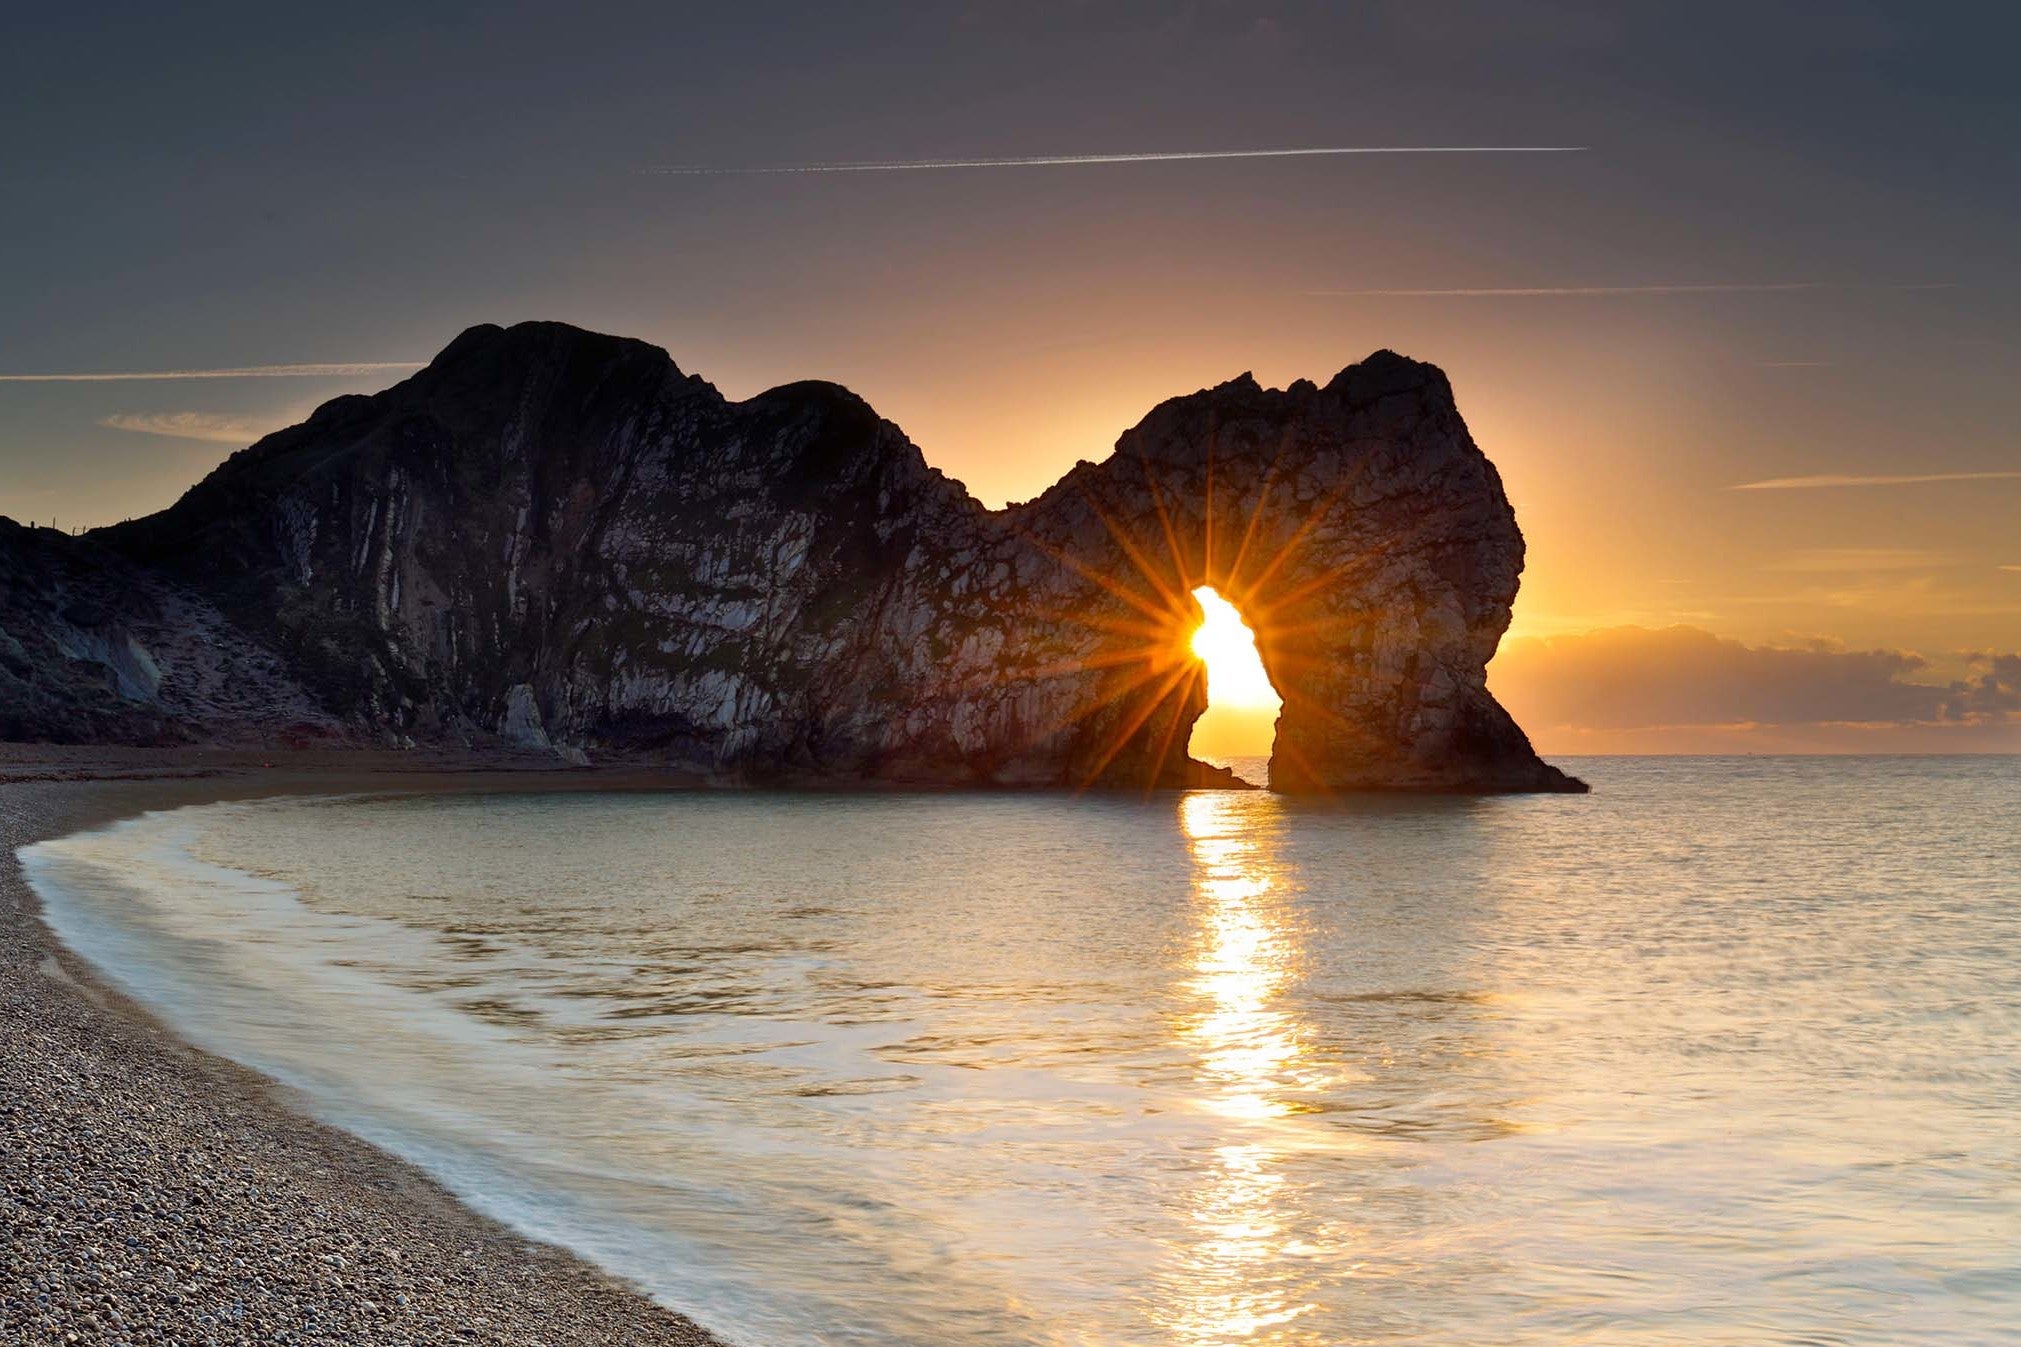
pixel 1242 706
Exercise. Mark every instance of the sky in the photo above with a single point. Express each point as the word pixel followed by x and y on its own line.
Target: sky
pixel 1743 345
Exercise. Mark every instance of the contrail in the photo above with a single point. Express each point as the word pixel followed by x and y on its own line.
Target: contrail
pixel 1881 479
pixel 239 372
pixel 1055 160
pixel 1534 291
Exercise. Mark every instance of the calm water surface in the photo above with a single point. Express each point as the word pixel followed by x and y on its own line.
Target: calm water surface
pixel 1727 1052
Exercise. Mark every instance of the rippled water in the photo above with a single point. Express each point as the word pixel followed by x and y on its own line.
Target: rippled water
pixel 1727 1052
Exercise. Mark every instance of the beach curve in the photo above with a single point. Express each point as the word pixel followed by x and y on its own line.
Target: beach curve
pixel 152 1192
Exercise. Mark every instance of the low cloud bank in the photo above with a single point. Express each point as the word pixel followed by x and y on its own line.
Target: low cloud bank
pixel 1681 689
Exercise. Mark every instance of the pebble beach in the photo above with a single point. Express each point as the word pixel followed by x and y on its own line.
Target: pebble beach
pixel 151 1193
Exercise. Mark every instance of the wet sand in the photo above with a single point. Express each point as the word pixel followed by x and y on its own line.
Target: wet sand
pixel 153 1193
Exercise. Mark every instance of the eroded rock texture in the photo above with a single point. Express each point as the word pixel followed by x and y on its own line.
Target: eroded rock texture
pixel 95 649
pixel 557 540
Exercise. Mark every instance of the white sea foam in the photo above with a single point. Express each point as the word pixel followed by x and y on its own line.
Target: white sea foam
pixel 1724 1049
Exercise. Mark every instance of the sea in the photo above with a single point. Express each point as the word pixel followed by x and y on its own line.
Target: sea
pixel 1726 1052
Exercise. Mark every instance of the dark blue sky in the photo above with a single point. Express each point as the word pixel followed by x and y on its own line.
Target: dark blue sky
pixel 223 186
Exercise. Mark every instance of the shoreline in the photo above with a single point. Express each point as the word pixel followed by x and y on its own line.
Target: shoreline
pixel 151 1192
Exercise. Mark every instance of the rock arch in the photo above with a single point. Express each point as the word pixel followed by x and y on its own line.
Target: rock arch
pixel 1363 535
pixel 557 540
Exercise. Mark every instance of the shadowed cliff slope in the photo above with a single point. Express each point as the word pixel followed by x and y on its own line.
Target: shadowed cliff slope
pixel 550 538
pixel 96 649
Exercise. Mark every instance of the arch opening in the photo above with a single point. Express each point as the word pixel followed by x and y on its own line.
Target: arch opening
pixel 1239 726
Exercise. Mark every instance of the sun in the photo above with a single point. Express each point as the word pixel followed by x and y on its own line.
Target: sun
pixel 1226 645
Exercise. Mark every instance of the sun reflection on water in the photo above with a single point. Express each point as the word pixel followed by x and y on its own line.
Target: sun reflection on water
pixel 1236 1281
pixel 1218 1070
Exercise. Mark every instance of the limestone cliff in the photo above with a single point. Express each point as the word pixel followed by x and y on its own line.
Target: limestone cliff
pixel 557 540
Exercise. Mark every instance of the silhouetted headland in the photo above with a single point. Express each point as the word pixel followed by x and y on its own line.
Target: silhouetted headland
pixel 554 541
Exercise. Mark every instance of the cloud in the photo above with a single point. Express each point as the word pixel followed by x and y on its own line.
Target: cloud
pixel 2011 568
pixel 1632 677
pixel 1684 689
pixel 1994 693
pixel 237 372
pixel 193 426
pixel 1063 160
pixel 1830 479
pixel 1591 291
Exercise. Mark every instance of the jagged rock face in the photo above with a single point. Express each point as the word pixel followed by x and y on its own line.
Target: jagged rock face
pixel 1367 540
pixel 69 664
pixel 554 539
pixel 94 649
